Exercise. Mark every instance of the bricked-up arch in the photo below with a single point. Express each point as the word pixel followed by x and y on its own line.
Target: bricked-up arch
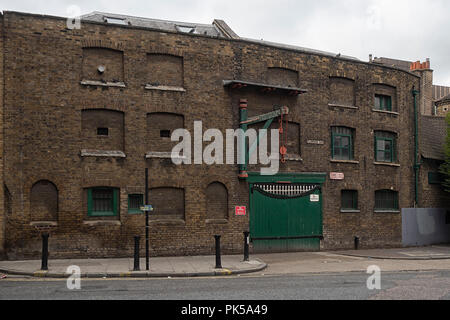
pixel 160 126
pixel 93 133
pixel 168 203
pixel 342 91
pixel 164 70
pixel 111 60
pixel 44 201
pixel 282 77
pixel 216 201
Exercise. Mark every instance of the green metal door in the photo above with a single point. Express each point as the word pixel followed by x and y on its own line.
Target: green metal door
pixel 285 217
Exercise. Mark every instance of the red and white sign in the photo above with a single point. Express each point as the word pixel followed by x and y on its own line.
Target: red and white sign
pixel 336 176
pixel 240 211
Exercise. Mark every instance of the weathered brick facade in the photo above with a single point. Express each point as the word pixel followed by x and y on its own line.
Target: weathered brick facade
pixel 55 97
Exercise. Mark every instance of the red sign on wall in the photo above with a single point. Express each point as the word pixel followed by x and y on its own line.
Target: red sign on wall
pixel 240 211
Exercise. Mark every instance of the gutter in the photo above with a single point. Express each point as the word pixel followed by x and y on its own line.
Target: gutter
pixel 416 150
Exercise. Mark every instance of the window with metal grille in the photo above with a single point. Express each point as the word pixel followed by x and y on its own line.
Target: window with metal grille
pixel 349 200
pixel 342 143
pixel 386 200
pixel 385 146
pixel 102 201
pixel 383 102
pixel 135 202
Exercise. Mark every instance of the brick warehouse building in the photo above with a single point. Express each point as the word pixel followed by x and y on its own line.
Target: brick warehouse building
pixel 85 111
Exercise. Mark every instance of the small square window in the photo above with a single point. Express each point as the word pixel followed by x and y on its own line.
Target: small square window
pixel 135 202
pixel 164 133
pixel 102 131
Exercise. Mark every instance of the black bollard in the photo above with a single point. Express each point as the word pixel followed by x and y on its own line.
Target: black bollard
pixel 44 265
pixel 136 253
pixel 356 243
pixel 246 241
pixel 218 259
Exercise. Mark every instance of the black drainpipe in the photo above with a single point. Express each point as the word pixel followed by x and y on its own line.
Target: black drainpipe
pixel 416 149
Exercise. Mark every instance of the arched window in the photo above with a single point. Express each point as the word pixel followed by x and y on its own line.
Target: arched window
pixel 216 201
pixel 44 201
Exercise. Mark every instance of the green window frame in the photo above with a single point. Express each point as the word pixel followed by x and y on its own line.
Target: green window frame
pixel 383 102
pixel 102 201
pixel 385 147
pixel 135 201
pixel 342 143
pixel 386 200
pixel 349 200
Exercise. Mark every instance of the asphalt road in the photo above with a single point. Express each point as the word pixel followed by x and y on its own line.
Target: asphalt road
pixel 433 285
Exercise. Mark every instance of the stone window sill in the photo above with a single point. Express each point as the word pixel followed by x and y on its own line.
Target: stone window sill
pixel 293 157
pixel 386 164
pixel 102 153
pixel 344 161
pixel 102 84
pixel 163 155
pixel 95 223
pixel 44 224
pixel 165 88
pixel 168 222
pixel 350 211
pixel 386 211
pixel 387 112
pixel 216 221
pixel 342 106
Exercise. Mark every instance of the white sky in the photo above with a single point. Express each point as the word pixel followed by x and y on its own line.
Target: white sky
pixel 401 29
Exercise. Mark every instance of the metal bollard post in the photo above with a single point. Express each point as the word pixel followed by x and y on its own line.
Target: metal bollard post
pixel 218 259
pixel 356 243
pixel 246 242
pixel 44 265
pixel 136 253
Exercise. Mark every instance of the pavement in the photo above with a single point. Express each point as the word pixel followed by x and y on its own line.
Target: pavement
pixel 396 259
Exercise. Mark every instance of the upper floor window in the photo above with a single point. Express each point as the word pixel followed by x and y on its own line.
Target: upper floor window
pixel 383 102
pixel 103 64
pixel 385 146
pixel 384 98
pixel 282 77
pixel 164 70
pixel 160 126
pixel 342 91
pixel 102 129
pixel 342 143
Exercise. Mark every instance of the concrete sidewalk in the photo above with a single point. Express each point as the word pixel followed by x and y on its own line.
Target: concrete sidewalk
pixel 399 259
pixel 199 266
pixel 411 253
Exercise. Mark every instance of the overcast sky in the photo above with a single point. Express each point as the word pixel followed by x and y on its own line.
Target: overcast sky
pixel 402 29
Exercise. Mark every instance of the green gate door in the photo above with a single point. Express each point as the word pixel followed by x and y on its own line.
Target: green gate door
pixel 285 217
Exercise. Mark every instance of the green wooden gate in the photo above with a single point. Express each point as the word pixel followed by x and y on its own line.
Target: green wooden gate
pixel 285 216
